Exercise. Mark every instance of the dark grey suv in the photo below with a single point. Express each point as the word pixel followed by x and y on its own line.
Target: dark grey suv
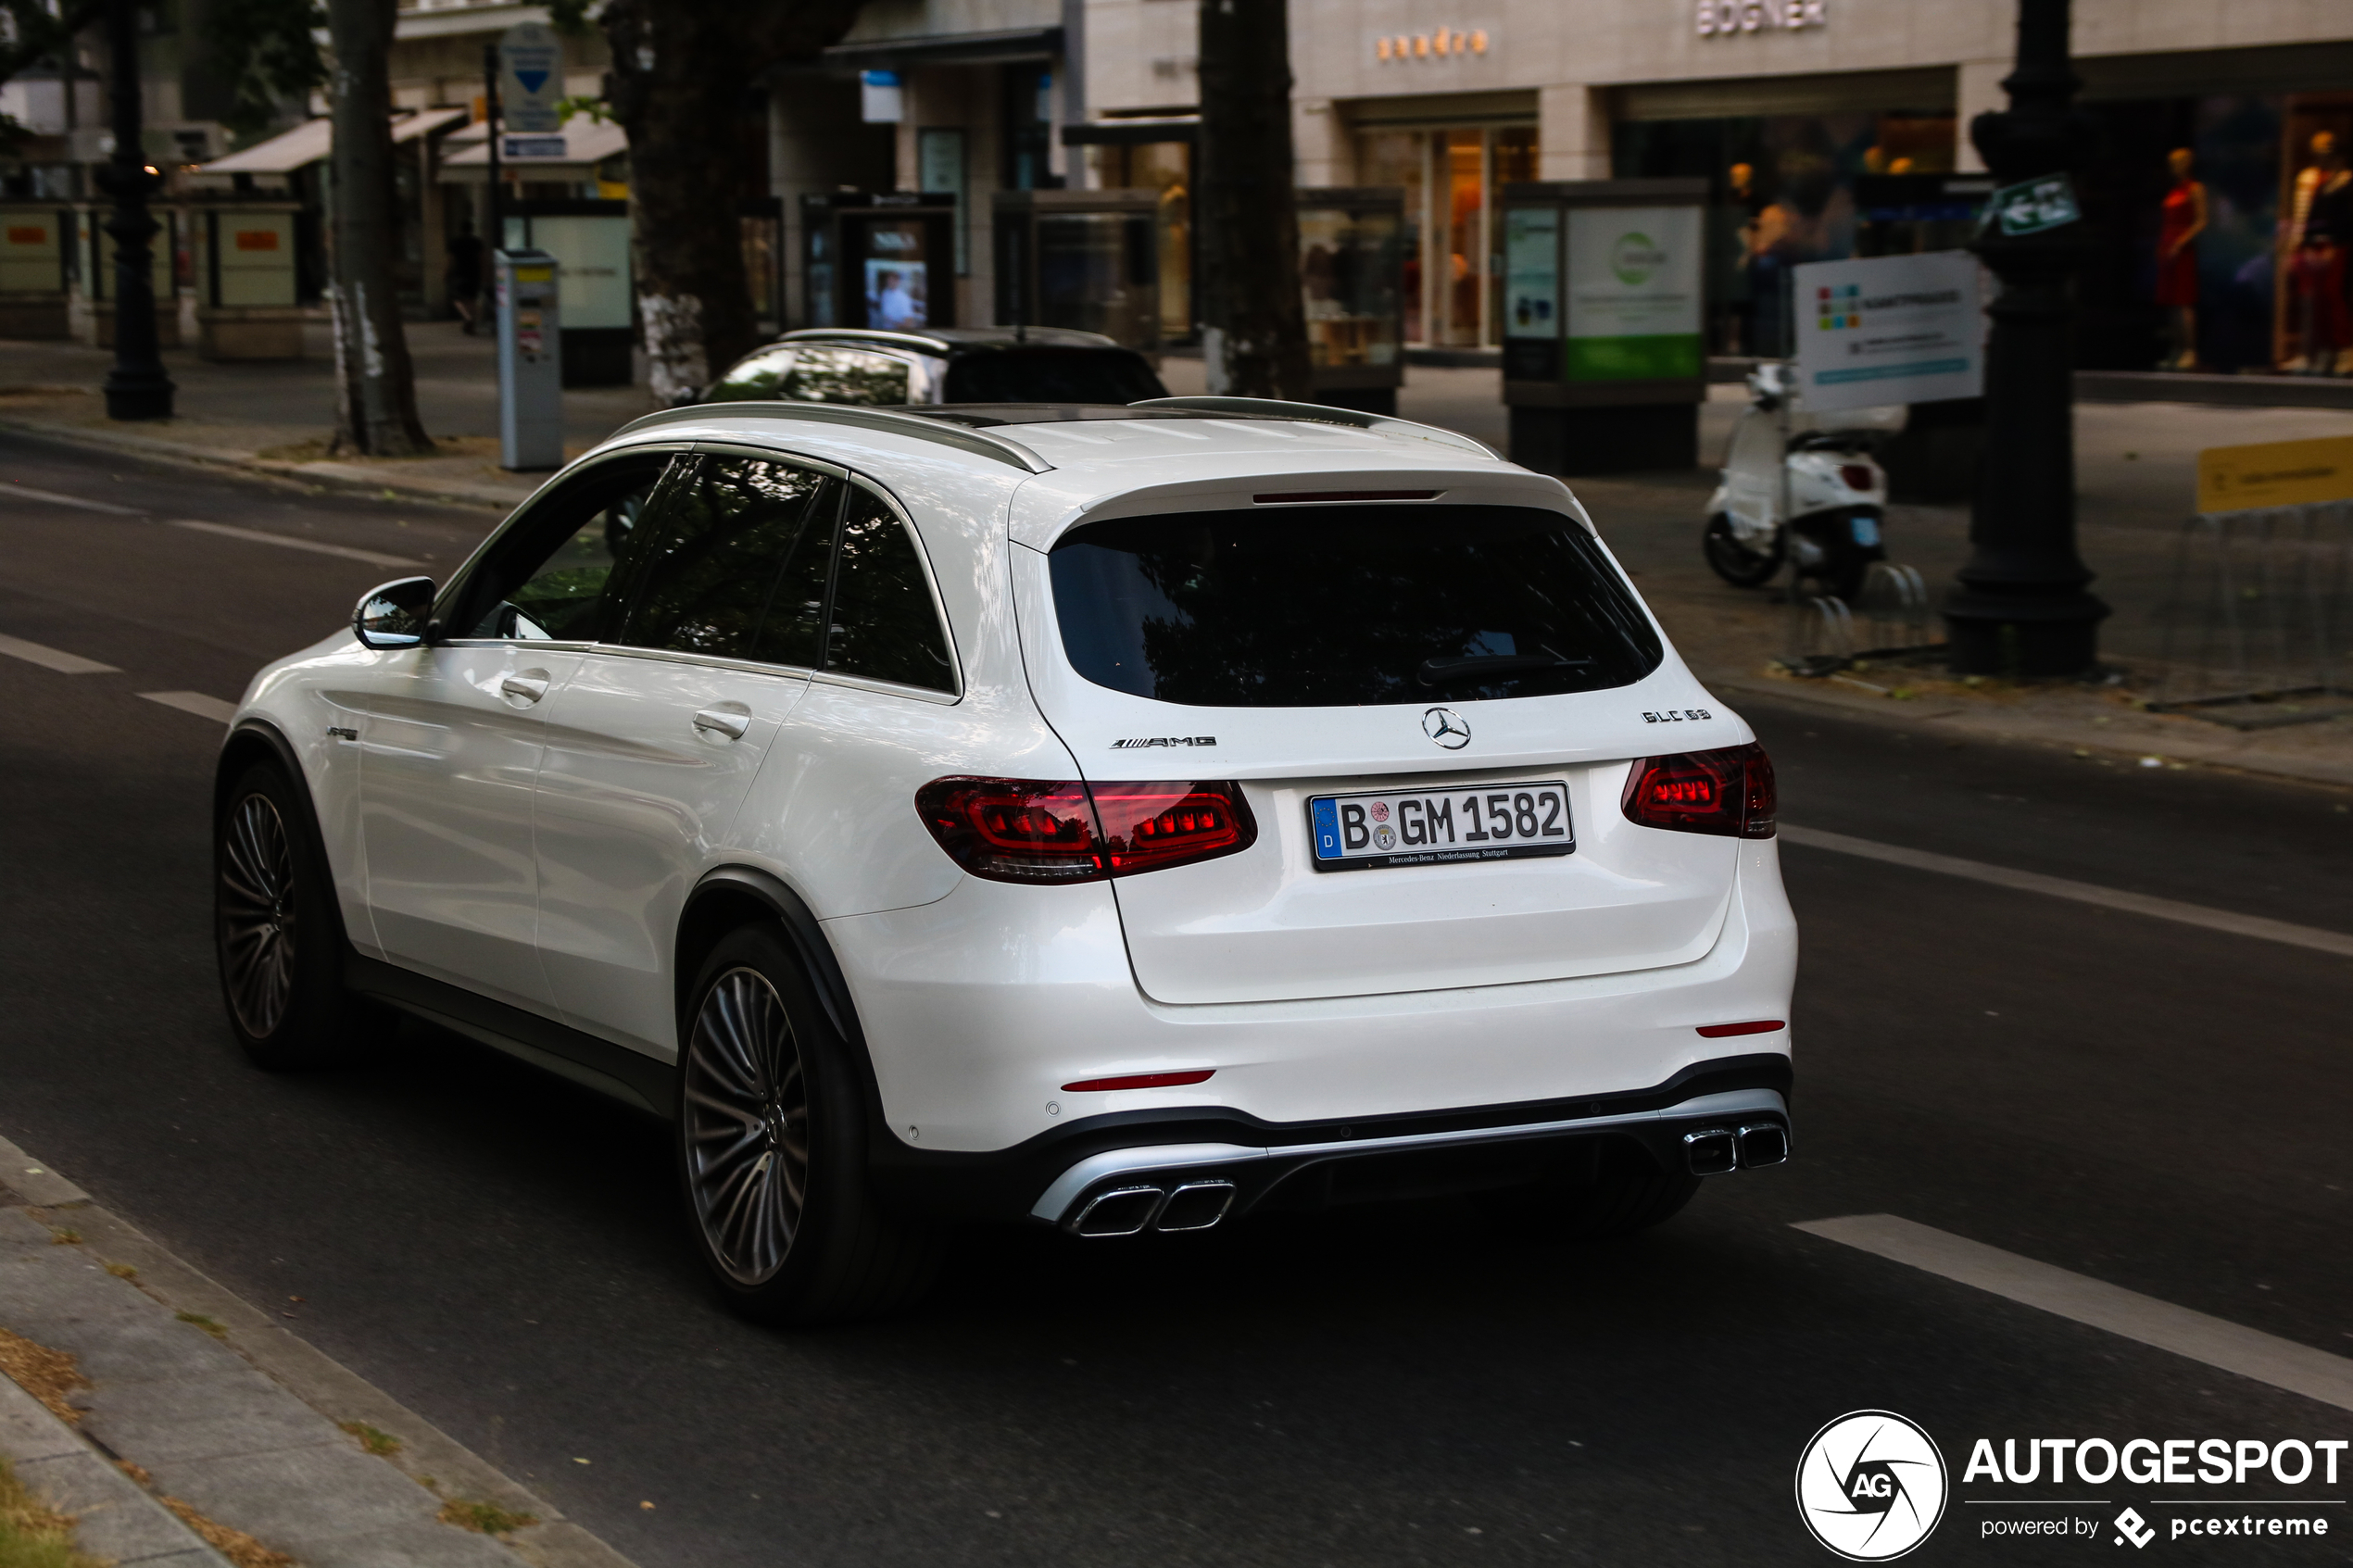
pixel 949 365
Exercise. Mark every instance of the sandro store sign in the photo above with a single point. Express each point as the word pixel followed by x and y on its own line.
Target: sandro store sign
pixel 1440 43
pixel 1721 19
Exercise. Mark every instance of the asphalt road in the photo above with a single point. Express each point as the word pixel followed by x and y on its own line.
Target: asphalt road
pixel 2154 1105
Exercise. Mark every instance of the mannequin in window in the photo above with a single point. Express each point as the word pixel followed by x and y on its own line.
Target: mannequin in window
pixel 2320 231
pixel 2184 220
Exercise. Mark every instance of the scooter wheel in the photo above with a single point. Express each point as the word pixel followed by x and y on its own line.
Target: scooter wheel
pixel 1734 561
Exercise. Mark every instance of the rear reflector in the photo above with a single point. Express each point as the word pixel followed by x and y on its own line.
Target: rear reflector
pixel 1035 829
pixel 1762 1026
pixel 1296 497
pixel 1729 792
pixel 1138 1081
pixel 1857 476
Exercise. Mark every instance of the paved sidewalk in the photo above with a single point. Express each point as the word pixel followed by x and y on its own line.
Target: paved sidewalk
pixel 196 1406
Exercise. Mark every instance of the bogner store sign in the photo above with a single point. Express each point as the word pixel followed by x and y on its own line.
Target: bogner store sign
pixel 1721 19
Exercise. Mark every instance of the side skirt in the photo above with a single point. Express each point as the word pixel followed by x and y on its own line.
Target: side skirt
pixel 634 1079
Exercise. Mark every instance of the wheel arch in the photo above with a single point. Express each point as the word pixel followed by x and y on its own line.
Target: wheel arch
pixel 257 740
pixel 729 897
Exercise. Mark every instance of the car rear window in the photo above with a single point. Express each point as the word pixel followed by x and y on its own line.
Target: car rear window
pixel 1051 376
pixel 1326 607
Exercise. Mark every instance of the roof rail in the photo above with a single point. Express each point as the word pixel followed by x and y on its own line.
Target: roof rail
pixel 980 443
pixel 1274 408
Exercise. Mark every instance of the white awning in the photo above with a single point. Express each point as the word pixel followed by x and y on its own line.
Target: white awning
pixel 424 122
pixel 585 143
pixel 314 139
pixel 283 153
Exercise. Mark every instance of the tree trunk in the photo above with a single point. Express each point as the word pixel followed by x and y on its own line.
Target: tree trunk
pixel 680 70
pixel 1253 326
pixel 376 392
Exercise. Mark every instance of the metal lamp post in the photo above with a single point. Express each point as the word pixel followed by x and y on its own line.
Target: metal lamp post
pixel 2020 606
pixel 137 387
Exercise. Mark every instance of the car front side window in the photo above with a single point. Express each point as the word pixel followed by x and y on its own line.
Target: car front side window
pixel 731 534
pixel 845 375
pixel 560 574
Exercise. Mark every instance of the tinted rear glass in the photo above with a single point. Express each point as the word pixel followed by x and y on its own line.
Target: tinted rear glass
pixel 1051 376
pixel 1326 607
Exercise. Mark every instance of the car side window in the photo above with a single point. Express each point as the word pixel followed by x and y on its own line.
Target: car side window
pixel 756 377
pixel 845 375
pixel 729 530
pixel 560 572
pixel 883 624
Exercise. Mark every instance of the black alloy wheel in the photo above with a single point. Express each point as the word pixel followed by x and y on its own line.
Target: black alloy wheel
pixel 746 1127
pixel 771 1132
pixel 257 915
pixel 276 932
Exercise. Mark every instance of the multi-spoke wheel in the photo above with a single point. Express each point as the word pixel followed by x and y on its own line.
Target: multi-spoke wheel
pixel 746 1127
pixel 772 1146
pixel 276 928
pixel 257 914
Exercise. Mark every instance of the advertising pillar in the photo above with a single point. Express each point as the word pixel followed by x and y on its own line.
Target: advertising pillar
pixel 1602 365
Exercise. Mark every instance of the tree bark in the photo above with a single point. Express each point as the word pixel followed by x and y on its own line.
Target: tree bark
pixel 680 69
pixel 1253 326
pixel 376 392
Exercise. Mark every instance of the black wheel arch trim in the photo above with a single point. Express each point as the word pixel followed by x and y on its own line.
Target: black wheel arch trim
pixel 237 752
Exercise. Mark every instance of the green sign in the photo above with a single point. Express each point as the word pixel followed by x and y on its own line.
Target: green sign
pixel 2033 206
pixel 1633 286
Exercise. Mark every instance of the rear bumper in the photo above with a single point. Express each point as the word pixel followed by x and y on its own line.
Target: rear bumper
pixel 1055 1177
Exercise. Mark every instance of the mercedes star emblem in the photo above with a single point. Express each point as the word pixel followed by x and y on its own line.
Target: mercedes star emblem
pixel 1446 727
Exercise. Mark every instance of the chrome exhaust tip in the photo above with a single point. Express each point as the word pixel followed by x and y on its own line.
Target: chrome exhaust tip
pixel 1711 1152
pixel 1121 1211
pixel 1763 1143
pixel 1196 1206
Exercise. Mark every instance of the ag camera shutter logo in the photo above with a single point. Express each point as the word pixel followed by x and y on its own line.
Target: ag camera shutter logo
pixel 1872 1485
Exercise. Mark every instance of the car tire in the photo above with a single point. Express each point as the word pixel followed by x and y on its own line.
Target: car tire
pixel 275 931
pixel 772 1149
pixel 1734 561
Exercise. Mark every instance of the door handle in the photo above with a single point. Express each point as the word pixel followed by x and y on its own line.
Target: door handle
pixel 722 722
pixel 525 686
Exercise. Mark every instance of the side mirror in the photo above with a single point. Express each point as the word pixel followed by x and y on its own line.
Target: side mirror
pixel 397 615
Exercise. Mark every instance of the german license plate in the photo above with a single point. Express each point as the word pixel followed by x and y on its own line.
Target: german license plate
pixel 1354 832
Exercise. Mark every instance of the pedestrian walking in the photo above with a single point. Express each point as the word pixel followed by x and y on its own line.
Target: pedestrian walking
pixel 465 276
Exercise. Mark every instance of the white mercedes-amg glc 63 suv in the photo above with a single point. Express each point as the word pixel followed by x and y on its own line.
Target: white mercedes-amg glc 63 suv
pixel 1119 819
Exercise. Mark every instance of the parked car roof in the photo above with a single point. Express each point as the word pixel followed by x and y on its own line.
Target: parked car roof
pixel 955 340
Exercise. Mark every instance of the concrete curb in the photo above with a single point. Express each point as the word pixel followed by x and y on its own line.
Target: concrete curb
pixel 114 1519
pixel 2014 727
pixel 227 1410
pixel 347 477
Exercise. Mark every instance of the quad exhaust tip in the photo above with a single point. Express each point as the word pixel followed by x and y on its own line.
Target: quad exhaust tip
pixel 1715 1151
pixel 1194 1206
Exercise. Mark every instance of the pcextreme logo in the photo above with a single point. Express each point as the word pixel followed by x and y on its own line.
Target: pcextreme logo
pixel 1870 1486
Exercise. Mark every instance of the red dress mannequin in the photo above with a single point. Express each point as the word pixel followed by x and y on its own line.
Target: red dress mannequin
pixel 2185 219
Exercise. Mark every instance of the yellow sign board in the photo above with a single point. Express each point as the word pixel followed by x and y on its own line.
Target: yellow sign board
pixel 2275 473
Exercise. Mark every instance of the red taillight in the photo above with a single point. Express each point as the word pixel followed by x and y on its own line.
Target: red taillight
pixel 1139 1081
pixel 1723 1031
pixel 1028 830
pixel 1727 792
pixel 1857 476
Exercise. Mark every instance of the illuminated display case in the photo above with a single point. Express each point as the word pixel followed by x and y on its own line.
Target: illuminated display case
pixel 884 259
pixel 1604 366
pixel 1084 259
pixel 1353 249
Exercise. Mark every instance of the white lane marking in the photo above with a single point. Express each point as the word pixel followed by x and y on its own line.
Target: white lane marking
pixel 51 658
pixel 257 536
pixel 2311 936
pixel 203 707
pixel 2265 1358
pixel 13 488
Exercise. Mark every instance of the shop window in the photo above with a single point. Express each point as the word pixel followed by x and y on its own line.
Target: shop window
pixel 1402 158
pixel 1165 168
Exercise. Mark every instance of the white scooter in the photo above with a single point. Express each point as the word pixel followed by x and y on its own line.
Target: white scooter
pixel 1800 486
